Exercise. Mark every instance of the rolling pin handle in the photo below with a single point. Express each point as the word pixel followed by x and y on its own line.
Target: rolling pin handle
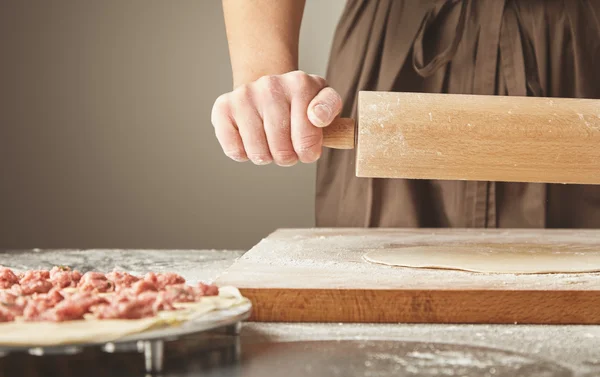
pixel 340 134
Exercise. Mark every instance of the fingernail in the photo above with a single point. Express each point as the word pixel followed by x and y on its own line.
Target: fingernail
pixel 322 114
pixel 310 155
pixel 239 158
pixel 287 164
pixel 261 161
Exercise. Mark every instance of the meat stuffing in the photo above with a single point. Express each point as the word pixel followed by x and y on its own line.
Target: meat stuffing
pixel 87 299
pixel 7 297
pixel 63 277
pixel 5 314
pixel 34 275
pixel 62 294
pixel 52 298
pixel 208 289
pixel 72 309
pixel 162 302
pixel 95 281
pixel 31 287
pixel 33 281
pixel 12 303
pixel 163 280
pixel 187 293
pixel 7 278
pixel 181 293
pixel 121 279
pixel 39 304
pixel 141 287
pixel 125 307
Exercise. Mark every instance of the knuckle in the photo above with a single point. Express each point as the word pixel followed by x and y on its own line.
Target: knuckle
pixel 242 94
pixel 220 108
pixel 300 80
pixel 221 101
pixel 270 87
pixel 319 79
pixel 308 142
pixel 280 125
pixel 285 155
pixel 295 73
pixel 268 83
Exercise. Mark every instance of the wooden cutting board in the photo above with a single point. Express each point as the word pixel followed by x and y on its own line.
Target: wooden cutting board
pixel 319 275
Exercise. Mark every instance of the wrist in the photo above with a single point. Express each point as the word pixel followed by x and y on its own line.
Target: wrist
pixel 252 71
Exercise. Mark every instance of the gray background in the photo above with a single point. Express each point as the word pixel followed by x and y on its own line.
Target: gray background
pixel 105 133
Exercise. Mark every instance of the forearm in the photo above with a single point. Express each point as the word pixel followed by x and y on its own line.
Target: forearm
pixel 262 36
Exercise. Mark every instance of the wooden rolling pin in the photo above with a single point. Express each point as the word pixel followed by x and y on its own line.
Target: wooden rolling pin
pixel 472 137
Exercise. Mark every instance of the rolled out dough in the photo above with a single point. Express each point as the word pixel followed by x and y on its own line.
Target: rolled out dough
pixel 493 258
pixel 20 333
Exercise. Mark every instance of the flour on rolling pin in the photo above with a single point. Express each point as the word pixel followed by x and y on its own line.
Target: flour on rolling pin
pixel 472 137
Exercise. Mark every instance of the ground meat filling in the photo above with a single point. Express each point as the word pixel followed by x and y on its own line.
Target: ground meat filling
pixel 33 281
pixel 65 311
pixel 7 278
pixel 5 314
pixel 34 275
pixel 180 293
pixel 121 280
pixel 39 304
pixel 208 289
pixel 12 303
pixel 162 302
pixel 95 281
pixel 7 297
pixel 141 286
pixel 62 277
pixel 161 281
pixel 125 307
pixel 62 294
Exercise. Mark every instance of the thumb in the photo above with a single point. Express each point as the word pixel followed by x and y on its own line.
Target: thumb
pixel 325 107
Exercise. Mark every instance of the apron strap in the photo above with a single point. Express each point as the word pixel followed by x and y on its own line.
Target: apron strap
pixel 531 69
pixel 445 56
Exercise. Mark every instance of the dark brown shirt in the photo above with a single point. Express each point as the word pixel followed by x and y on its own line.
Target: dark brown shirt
pixel 504 47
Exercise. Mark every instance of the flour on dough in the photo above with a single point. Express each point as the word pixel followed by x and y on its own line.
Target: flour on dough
pixel 493 258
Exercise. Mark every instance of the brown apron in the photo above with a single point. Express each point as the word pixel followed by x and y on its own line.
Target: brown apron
pixel 504 47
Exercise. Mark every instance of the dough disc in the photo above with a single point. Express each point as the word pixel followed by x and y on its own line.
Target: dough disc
pixel 27 334
pixel 493 258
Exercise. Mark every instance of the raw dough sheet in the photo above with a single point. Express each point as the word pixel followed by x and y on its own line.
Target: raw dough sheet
pixel 20 333
pixel 492 258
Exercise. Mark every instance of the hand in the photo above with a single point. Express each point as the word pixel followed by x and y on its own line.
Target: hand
pixel 276 118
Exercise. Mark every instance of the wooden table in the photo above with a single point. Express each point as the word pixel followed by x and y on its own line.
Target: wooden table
pixel 572 346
